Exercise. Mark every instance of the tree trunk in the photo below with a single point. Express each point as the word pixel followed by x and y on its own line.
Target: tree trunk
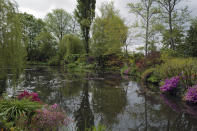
pixel 171 29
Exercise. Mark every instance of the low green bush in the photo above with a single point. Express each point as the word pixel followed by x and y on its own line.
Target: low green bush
pixel 54 61
pixel 11 110
pixel 150 75
pixel 185 67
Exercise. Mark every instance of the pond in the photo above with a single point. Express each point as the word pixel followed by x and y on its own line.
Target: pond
pixel 94 98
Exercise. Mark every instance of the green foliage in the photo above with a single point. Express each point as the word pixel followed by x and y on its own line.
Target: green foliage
pixel 54 61
pixel 150 75
pixel 12 46
pixel 98 128
pixel 11 110
pixel 174 19
pixel 31 28
pixel 59 23
pixel 73 45
pixel 109 32
pixel 190 47
pixel 187 68
pixel 148 12
pixel 47 46
pixel 167 54
pixel 85 13
pixel 69 49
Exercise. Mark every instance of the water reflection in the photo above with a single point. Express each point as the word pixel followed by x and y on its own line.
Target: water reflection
pixel 84 116
pixel 92 98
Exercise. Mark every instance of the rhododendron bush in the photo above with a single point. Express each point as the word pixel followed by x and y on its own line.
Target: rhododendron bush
pixel 191 94
pixel 170 85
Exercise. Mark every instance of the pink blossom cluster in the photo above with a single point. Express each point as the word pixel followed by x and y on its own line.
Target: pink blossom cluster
pixel 50 117
pixel 32 96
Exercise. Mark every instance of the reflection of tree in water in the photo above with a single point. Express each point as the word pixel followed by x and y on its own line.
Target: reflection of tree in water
pixel 185 118
pixel 3 82
pixel 153 114
pixel 10 78
pixel 109 100
pixel 84 116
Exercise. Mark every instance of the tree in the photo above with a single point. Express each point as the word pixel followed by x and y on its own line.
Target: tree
pixel 85 13
pixel 47 46
pixel 146 10
pixel 174 18
pixel 190 47
pixel 69 45
pixel 58 23
pixel 31 28
pixel 109 33
pixel 12 46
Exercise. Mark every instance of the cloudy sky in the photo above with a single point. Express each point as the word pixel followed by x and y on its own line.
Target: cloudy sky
pixel 40 8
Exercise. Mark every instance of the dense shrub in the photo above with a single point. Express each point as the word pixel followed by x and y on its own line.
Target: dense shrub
pixel 150 75
pixel 11 110
pixel 125 70
pixel 151 60
pixel 187 68
pixel 69 49
pixel 191 95
pixel 46 47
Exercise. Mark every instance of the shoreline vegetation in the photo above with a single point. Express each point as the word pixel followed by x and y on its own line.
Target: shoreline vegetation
pixel 88 41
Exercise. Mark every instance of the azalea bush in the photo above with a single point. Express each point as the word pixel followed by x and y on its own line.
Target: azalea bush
pixel 49 118
pixel 191 95
pixel 170 85
pixel 31 96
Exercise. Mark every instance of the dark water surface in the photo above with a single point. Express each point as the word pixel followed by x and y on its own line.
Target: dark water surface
pixel 92 98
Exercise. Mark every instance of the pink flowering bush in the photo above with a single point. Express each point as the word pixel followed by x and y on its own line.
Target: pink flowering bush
pixel 191 95
pixel 170 85
pixel 32 96
pixel 49 117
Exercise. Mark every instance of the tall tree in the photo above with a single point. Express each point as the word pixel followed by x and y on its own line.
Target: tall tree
pixel 109 33
pixel 31 28
pixel 146 10
pixel 190 47
pixel 59 23
pixel 174 17
pixel 12 46
pixel 85 13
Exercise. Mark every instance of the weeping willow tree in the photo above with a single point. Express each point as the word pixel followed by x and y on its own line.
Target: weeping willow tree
pixel 12 44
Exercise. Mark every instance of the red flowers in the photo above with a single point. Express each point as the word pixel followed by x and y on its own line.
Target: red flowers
pixel 32 96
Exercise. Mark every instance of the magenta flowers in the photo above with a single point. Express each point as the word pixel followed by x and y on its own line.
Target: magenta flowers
pixel 191 94
pixel 32 96
pixel 170 84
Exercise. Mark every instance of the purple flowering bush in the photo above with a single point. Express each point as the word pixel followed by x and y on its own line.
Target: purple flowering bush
pixel 170 85
pixel 191 95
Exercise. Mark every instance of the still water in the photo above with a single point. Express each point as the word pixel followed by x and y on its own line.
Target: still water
pixel 101 98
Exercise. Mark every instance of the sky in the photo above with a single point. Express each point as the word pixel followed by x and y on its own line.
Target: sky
pixel 39 8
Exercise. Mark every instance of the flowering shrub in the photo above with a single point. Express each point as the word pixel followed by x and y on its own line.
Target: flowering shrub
pixel 32 96
pixel 191 94
pixel 170 84
pixel 50 117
